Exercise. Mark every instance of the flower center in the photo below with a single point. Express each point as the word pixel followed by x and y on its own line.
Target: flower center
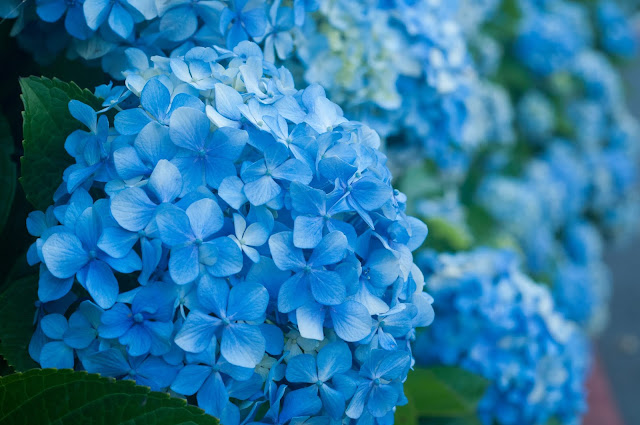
pixel 138 318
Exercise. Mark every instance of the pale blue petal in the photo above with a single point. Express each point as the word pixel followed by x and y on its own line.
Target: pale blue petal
pixel 229 260
pixel 334 358
pixel 242 345
pixel 247 301
pixel 302 369
pixel 205 218
pixel 132 209
pixel 327 287
pixel 197 332
pixel 174 226
pixel 262 190
pixel 101 284
pixel 190 379
pixel 284 253
pixel 189 128
pixel 310 318
pixel 351 321
pixel 184 264
pixel 64 254
pixel 330 250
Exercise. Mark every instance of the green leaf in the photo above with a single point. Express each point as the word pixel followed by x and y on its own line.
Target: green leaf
pixel 7 171
pixel 66 397
pixel 47 123
pixel 445 237
pixel 447 395
pixel 17 310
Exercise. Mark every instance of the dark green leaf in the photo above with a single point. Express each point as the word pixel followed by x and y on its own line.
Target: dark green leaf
pixel 442 393
pixel 65 397
pixel 47 123
pixel 7 171
pixel 17 310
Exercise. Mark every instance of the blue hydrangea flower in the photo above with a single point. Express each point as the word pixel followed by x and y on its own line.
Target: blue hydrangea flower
pixel 488 309
pixel 203 195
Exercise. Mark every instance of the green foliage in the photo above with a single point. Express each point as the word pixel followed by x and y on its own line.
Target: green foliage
pixel 65 397
pixel 17 310
pixel 445 237
pixel 47 123
pixel 7 171
pixel 441 396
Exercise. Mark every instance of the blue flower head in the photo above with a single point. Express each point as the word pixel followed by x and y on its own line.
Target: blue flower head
pixel 266 257
pixel 488 309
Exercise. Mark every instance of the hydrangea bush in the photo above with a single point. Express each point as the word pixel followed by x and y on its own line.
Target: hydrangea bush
pixel 560 176
pixel 233 239
pixel 495 321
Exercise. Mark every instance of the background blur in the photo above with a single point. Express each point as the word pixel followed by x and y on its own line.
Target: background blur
pixel 619 344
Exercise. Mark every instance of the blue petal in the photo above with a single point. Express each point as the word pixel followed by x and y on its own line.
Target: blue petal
pixel 54 325
pixel 331 250
pixel 120 21
pixel 242 345
pixel 51 288
pixel 50 11
pixel 371 193
pixel 229 258
pixel 56 355
pixel 128 164
pixel 174 226
pixel 213 295
pixel 132 209
pixel 110 362
pixel 303 402
pixel 247 301
pixel 179 23
pixel 115 321
pixel 101 284
pixel 227 101
pixel 155 99
pixel 381 400
pixel 197 332
pixel 117 242
pixel 302 369
pixel 84 113
pixel 284 253
pixel 213 396
pixel 184 264
pixel 310 318
pixel 189 128
pixel 96 12
pixel 334 358
pixel 274 339
pixel 351 321
pixel 333 401
pixel 130 121
pixel 262 190
pixel 154 144
pixel 294 293
pixel 190 379
pixel 64 255
pixel 327 287
pixel 205 217
pixel 293 170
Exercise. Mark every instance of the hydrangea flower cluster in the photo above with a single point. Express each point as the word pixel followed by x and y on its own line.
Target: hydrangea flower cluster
pixel 496 322
pixel 233 239
pixel 400 66
pixel 103 30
